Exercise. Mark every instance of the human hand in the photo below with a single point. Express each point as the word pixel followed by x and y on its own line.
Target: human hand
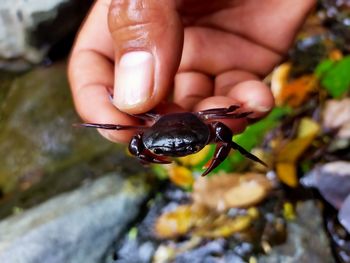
pixel 207 54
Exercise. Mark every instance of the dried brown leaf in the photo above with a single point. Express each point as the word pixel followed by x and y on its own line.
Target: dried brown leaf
pixel 226 191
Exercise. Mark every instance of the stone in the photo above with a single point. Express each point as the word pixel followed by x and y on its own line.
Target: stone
pixel 42 152
pixel 344 214
pixel 208 254
pixel 306 241
pixel 24 27
pixel 332 180
pixel 78 226
pixel 37 134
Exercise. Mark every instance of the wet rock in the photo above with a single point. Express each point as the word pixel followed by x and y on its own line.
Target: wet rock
pixel 307 53
pixel 78 226
pixel 306 242
pixel 332 180
pixel 37 134
pixel 208 253
pixel 24 27
pixel 42 154
pixel 141 253
pixel 336 17
pixel 344 214
pixel 5 80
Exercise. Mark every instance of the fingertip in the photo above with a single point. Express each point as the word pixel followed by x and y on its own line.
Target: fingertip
pixel 94 106
pixel 148 37
pixel 236 125
pixel 116 136
pixel 253 95
pixel 191 88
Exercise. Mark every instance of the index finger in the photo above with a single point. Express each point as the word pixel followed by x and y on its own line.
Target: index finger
pixel 91 74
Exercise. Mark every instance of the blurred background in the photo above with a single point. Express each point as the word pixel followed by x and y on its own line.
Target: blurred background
pixel 67 195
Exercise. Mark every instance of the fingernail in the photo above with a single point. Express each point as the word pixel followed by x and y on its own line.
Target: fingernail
pixel 258 108
pixel 133 79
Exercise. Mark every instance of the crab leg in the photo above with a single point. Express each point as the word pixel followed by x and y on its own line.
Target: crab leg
pixel 148 116
pixel 227 116
pixel 229 109
pixel 111 126
pixel 148 157
pixel 223 138
pixel 224 134
pixel 245 153
pixel 223 113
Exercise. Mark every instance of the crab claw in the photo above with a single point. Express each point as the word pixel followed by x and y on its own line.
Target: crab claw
pixel 149 157
pixel 221 152
pixel 223 138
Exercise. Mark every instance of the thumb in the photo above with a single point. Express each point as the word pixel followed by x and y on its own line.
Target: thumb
pixel 148 38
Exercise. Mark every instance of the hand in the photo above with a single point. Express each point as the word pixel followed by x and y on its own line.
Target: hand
pixel 205 53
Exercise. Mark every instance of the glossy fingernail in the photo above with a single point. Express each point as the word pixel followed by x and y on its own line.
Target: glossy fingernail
pixel 258 108
pixel 133 79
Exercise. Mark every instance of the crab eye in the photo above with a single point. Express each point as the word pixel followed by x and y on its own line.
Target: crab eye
pixel 158 151
pixel 190 148
pixel 193 148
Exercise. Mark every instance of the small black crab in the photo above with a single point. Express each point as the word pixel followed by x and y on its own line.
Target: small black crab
pixel 181 134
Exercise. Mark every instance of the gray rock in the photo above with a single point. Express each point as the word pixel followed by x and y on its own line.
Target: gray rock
pixel 29 27
pixel 344 214
pixel 36 132
pixel 208 254
pixel 78 226
pixel 332 180
pixel 306 243
pixel 131 251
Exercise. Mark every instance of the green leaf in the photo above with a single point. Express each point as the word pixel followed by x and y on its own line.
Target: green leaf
pixel 335 77
pixel 252 137
pixel 160 171
pixel 323 67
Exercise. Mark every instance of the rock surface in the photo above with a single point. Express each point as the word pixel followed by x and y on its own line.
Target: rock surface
pixel 307 242
pixel 29 27
pixel 36 131
pixel 42 154
pixel 78 226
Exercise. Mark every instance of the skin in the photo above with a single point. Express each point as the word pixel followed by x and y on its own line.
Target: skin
pixel 203 54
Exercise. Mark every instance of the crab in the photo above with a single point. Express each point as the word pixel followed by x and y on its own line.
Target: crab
pixel 181 134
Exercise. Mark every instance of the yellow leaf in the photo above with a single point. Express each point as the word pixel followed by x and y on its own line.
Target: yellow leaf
pixel 196 158
pixel 289 154
pixel 228 227
pixel 288 211
pixel 294 149
pixel 307 131
pixel 174 223
pixel 286 172
pixel 253 212
pixel 181 176
pixel 279 79
pixel 308 127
